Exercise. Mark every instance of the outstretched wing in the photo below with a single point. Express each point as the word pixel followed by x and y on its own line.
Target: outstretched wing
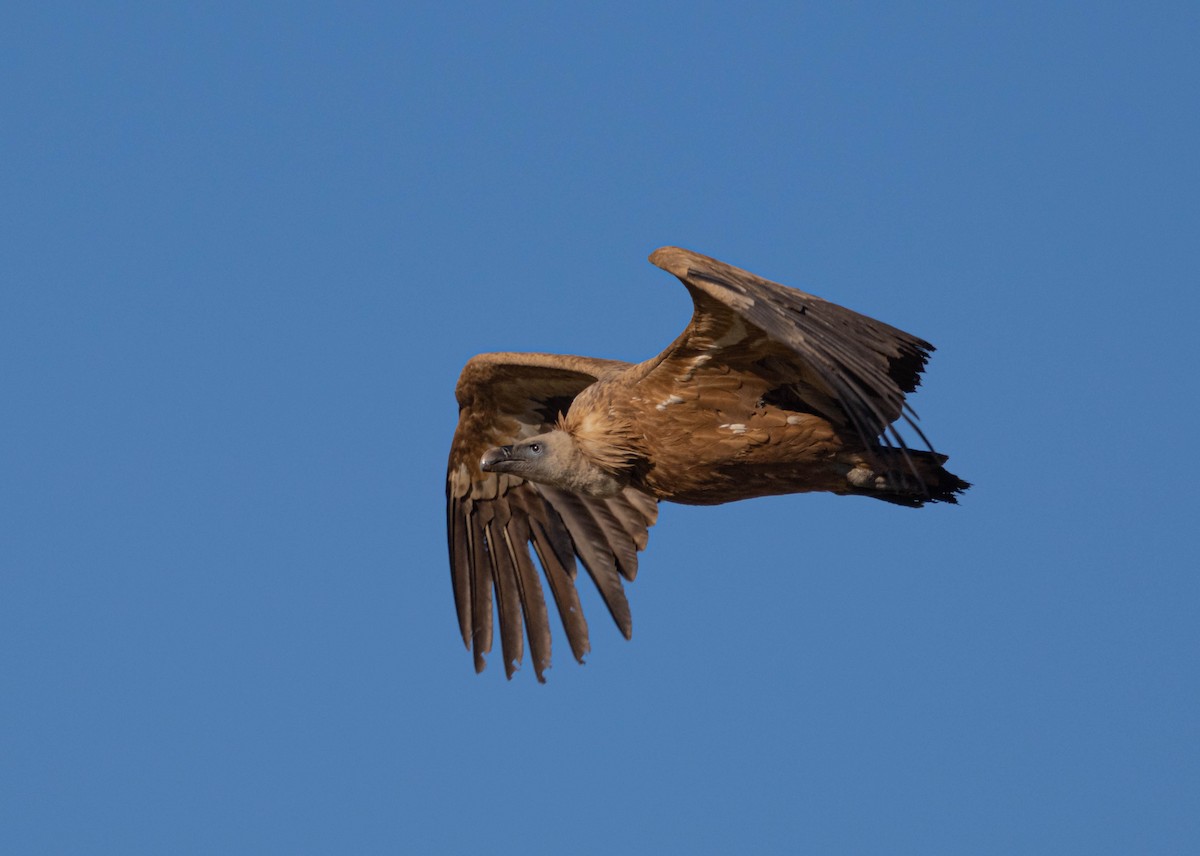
pixel 492 519
pixel 851 369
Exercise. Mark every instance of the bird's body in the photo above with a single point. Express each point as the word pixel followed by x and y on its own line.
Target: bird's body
pixel 768 391
pixel 733 446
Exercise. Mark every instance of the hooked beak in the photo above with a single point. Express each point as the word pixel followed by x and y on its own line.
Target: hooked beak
pixel 492 457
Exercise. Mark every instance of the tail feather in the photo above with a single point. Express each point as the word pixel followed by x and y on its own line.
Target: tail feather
pixel 907 478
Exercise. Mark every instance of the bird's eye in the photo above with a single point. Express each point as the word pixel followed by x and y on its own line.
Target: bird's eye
pixel 535 447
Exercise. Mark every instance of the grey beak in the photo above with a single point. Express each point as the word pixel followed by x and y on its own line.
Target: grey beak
pixel 494 456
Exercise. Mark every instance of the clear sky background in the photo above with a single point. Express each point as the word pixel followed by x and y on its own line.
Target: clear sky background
pixel 245 251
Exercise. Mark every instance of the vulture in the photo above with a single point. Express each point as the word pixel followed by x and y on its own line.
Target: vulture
pixel 768 390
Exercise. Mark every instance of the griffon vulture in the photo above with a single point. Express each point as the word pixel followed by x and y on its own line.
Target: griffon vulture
pixel 768 391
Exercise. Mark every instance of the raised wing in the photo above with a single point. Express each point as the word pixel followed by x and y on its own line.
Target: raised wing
pixel 492 519
pixel 851 369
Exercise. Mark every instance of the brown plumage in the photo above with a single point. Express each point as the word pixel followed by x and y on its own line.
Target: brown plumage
pixel 768 391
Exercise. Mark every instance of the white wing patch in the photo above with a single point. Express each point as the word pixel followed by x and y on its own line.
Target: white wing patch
pixel 693 364
pixel 735 333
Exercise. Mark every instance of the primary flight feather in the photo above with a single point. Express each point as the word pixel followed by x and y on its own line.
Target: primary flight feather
pixel 767 391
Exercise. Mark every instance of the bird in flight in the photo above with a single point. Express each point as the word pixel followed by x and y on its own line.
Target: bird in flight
pixel 768 390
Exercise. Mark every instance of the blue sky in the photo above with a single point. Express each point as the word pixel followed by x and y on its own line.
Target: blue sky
pixel 245 252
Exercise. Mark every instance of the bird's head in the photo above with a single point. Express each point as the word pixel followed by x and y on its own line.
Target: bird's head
pixel 552 458
pixel 537 458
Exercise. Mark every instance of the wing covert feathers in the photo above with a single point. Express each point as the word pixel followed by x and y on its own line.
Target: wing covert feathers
pixel 862 365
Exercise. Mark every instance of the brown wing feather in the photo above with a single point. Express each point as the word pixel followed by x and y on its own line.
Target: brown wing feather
pixel 493 519
pixel 594 545
pixel 850 368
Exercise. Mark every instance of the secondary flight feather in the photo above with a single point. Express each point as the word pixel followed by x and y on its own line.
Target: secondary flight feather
pixel 767 391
